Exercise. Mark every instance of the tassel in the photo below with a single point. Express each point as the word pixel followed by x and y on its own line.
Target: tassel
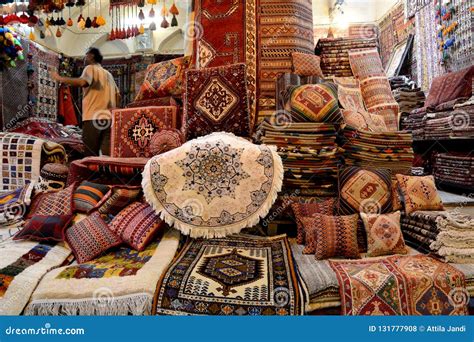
pixel 141 30
pixel 152 13
pixel 141 15
pixel 82 24
pixel 152 2
pixel 80 18
pixel 58 33
pixel 94 23
pixel 141 3
pixel 174 21
pixel 164 10
pixel 32 36
pixel 112 35
pixel 152 27
pixel 165 23
pixel 42 35
pixel 173 9
pixel 70 22
pixel 88 22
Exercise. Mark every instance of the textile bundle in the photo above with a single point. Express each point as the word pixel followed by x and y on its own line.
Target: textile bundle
pixel 401 82
pixel 455 169
pixel 420 229
pixel 409 99
pixel 455 241
pixel 391 150
pixel 334 54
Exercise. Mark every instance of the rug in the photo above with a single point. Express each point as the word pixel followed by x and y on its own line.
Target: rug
pixel 132 129
pixel 239 275
pixel 22 265
pixel 226 33
pixel 121 282
pixel 214 185
pixel 366 63
pixel 348 93
pixel 216 100
pixel 399 285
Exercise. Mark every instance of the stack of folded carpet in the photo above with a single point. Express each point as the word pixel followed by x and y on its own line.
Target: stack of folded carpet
pixel 310 156
pixel 451 124
pixel 398 82
pixel 455 241
pixel 391 150
pixel 455 169
pixel 420 229
pixel 415 123
pixel 409 99
pixel 334 54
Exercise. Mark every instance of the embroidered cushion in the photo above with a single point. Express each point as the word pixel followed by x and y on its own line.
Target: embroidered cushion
pixel 384 234
pixel 88 195
pixel 315 103
pixel 54 203
pixel 305 64
pixel 304 210
pixel 136 225
pixel 362 190
pixel 118 198
pixel 164 79
pixel 336 236
pixel 419 193
pixel 44 228
pixel 216 100
pixel 90 238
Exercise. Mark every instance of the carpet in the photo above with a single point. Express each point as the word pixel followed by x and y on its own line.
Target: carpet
pixel 399 285
pixel 348 93
pixel 226 33
pixel 121 282
pixel 238 275
pixel 214 185
pixel 132 129
pixel 22 265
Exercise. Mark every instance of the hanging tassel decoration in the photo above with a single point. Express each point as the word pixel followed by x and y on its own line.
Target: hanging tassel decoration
pixel 165 23
pixel 58 33
pixel 32 36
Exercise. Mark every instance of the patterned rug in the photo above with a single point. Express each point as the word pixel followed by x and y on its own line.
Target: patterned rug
pixel 132 129
pixel 121 282
pixel 348 93
pixel 399 285
pixel 22 265
pixel 238 275
pixel 214 185
pixel 226 34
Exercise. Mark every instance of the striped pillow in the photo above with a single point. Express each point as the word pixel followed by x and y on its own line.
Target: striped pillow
pixel 120 197
pixel 88 195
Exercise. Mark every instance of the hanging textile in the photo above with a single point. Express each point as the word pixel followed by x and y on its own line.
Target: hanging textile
pixel 66 111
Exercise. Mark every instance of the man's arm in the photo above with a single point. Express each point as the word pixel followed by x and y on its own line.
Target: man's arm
pixel 75 82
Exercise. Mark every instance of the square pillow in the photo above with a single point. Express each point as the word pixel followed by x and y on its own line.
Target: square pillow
pixel 365 190
pixel 304 210
pixel 58 203
pixel 216 100
pixel 164 79
pixel 90 238
pixel 335 236
pixel 305 64
pixel 44 228
pixel 117 199
pixel 384 234
pixel 88 195
pixel 136 225
pixel 419 193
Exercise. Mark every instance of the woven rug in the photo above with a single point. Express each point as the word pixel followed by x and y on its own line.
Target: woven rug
pixel 238 275
pixel 132 129
pixel 22 265
pixel 399 285
pixel 226 33
pixel 348 93
pixel 122 282
pixel 214 185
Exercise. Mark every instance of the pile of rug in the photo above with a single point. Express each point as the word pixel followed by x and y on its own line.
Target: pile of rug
pixel 415 123
pixel 455 169
pixel 420 229
pixel 334 54
pixel 455 241
pixel 310 156
pixel 391 150
pixel 409 99
pixel 397 82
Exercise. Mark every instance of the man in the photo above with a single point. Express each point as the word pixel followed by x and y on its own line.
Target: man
pixel 100 95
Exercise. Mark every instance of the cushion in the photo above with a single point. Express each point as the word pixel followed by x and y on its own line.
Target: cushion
pixel 216 100
pixel 315 103
pixel 157 102
pixel 44 228
pixel 365 190
pixel 88 195
pixel 419 193
pixel 54 203
pixel 366 63
pixel 90 238
pixel 305 64
pixel 136 225
pixel 53 177
pixel 355 119
pixel 164 79
pixel 384 234
pixel 303 210
pixel 118 198
pixel 336 236
pixel 165 141
pixel 348 94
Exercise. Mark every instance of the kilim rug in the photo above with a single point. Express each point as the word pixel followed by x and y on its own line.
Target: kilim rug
pixel 238 275
pixel 348 93
pixel 226 33
pixel 121 282
pixel 213 186
pixel 399 285
pixel 132 129
pixel 22 265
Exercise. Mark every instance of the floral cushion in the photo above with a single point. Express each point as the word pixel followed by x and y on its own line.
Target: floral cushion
pixel 136 225
pixel 305 64
pixel 419 193
pixel 44 228
pixel 164 79
pixel 384 234
pixel 88 195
